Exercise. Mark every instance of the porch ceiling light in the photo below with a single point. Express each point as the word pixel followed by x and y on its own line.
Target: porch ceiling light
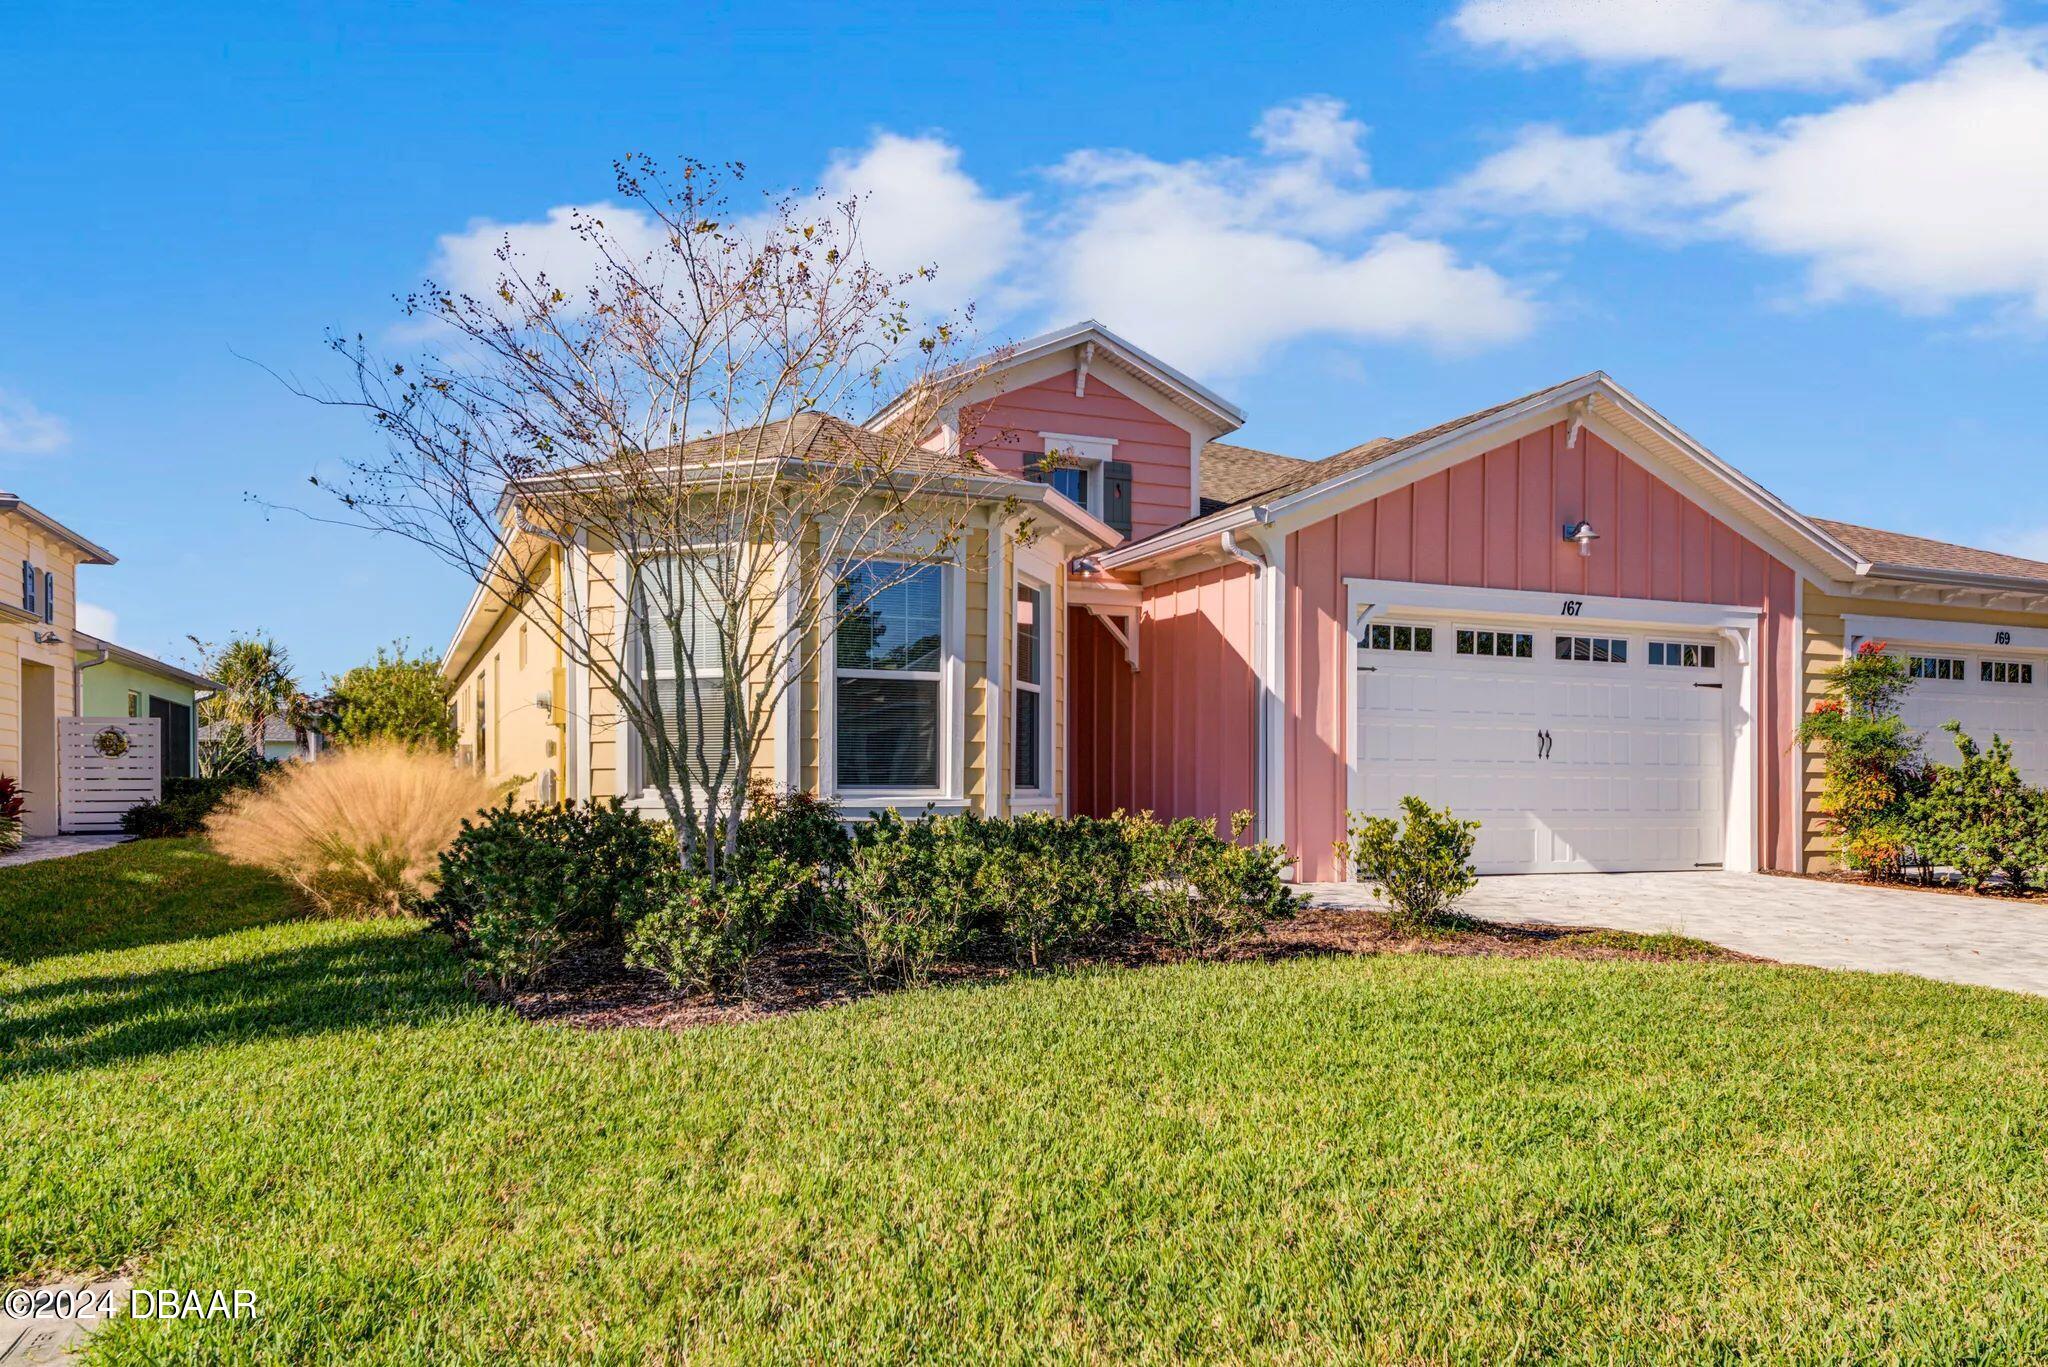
pixel 1583 533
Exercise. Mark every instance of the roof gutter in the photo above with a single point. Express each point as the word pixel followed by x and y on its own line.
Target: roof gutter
pixel 2008 583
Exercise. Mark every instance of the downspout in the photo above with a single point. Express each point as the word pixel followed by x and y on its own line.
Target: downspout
pixel 1261 567
pixel 78 681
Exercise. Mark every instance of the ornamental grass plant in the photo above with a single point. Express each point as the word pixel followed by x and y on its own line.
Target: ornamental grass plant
pixel 358 833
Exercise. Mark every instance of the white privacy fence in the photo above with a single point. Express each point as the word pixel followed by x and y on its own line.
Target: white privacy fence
pixel 108 764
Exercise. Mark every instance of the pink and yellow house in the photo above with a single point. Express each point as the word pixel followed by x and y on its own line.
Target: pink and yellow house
pixel 1559 615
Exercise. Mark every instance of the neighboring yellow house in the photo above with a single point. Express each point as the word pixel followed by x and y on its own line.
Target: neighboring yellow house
pixel 1974 626
pixel 38 619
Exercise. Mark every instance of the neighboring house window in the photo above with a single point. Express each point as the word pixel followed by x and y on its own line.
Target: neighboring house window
pixel 1032 715
pixel 49 596
pixel 889 658
pixel 482 724
pixel 28 586
pixel 689 682
pixel 134 701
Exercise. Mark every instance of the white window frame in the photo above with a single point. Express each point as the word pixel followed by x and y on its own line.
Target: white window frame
pixel 636 785
pixel 1043 687
pixel 950 793
pixel 1092 454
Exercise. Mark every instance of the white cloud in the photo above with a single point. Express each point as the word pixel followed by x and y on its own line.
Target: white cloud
pixel 1929 194
pixel 918 208
pixel 26 430
pixel 1740 43
pixel 95 620
pixel 475 259
pixel 1214 262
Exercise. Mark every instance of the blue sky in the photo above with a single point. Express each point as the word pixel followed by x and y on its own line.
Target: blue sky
pixel 1809 231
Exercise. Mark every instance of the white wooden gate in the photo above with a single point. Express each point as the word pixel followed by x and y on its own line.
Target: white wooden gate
pixel 108 764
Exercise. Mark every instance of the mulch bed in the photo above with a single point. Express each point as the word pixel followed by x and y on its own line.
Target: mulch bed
pixel 590 989
pixel 1996 892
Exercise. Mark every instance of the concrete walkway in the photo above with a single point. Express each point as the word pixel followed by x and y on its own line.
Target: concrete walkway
pixel 1986 941
pixel 57 847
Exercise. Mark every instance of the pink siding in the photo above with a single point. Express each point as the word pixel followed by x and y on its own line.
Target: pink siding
pixel 1494 520
pixel 1179 737
pixel 1006 427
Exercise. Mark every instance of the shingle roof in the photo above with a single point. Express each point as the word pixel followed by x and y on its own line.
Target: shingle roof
pixel 1231 474
pixel 276 730
pixel 819 437
pixel 1381 448
pixel 1921 553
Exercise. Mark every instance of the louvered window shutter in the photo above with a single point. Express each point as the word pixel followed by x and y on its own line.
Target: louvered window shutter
pixel 49 596
pixel 1116 495
pixel 28 586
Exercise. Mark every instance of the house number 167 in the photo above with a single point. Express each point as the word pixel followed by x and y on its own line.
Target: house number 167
pixel 1571 607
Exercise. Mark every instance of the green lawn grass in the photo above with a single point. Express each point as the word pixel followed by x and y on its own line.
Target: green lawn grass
pixel 1407 1157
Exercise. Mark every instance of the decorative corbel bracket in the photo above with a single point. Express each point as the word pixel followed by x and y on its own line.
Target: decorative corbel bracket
pixel 1123 625
pixel 1087 355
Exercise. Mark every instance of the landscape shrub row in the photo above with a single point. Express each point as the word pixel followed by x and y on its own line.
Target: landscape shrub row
pixel 897 898
pixel 187 803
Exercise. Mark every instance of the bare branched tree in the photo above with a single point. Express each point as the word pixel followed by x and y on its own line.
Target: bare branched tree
pixel 681 416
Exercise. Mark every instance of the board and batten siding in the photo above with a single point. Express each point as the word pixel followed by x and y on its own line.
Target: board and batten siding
pixel 1177 737
pixel 1159 453
pixel 1827 632
pixel 1493 521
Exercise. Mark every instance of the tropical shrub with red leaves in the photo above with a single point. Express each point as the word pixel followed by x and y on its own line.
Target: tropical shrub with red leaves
pixel 1873 771
pixel 11 802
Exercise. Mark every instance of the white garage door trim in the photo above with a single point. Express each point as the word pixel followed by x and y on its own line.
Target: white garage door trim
pixel 1975 700
pixel 1366 599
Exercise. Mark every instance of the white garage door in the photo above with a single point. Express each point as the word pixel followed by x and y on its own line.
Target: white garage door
pixel 1575 749
pixel 1990 693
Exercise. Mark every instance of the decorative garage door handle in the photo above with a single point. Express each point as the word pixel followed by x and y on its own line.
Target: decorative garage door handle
pixel 1543 745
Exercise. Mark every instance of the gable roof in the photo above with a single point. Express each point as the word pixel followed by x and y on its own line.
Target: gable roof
pixel 1360 471
pixel 1182 387
pixel 818 438
pixel 148 664
pixel 1896 552
pixel 1231 474
pixel 90 552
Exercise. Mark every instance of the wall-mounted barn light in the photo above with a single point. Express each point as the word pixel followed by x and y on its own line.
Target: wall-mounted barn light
pixel 1583 533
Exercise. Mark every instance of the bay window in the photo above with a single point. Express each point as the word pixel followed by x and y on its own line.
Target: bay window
pixel 888 677
pixel 1031 717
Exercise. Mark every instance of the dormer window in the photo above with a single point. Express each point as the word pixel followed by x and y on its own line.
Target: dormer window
pixel 1074 466
pixel 1087 471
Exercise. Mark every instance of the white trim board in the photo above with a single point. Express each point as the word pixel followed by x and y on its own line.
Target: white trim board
pixel 1920 631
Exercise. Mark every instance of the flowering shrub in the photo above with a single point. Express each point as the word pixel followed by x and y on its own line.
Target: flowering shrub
pixel 1872 771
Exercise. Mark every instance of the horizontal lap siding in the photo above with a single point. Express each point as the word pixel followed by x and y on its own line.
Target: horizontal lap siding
pixel 1005 428
pixel 1179 736
pixel 1494 522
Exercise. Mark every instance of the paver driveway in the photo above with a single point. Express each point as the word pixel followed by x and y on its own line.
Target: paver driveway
pixel 1936 935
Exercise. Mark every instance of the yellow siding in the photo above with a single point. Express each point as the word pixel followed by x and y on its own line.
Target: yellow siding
pixel 1826 633
pixel 978 682
pixel 525 738
pixel 21 540
pixel 522 731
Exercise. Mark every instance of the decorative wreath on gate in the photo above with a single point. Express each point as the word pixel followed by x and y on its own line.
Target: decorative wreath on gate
pixel 112 742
